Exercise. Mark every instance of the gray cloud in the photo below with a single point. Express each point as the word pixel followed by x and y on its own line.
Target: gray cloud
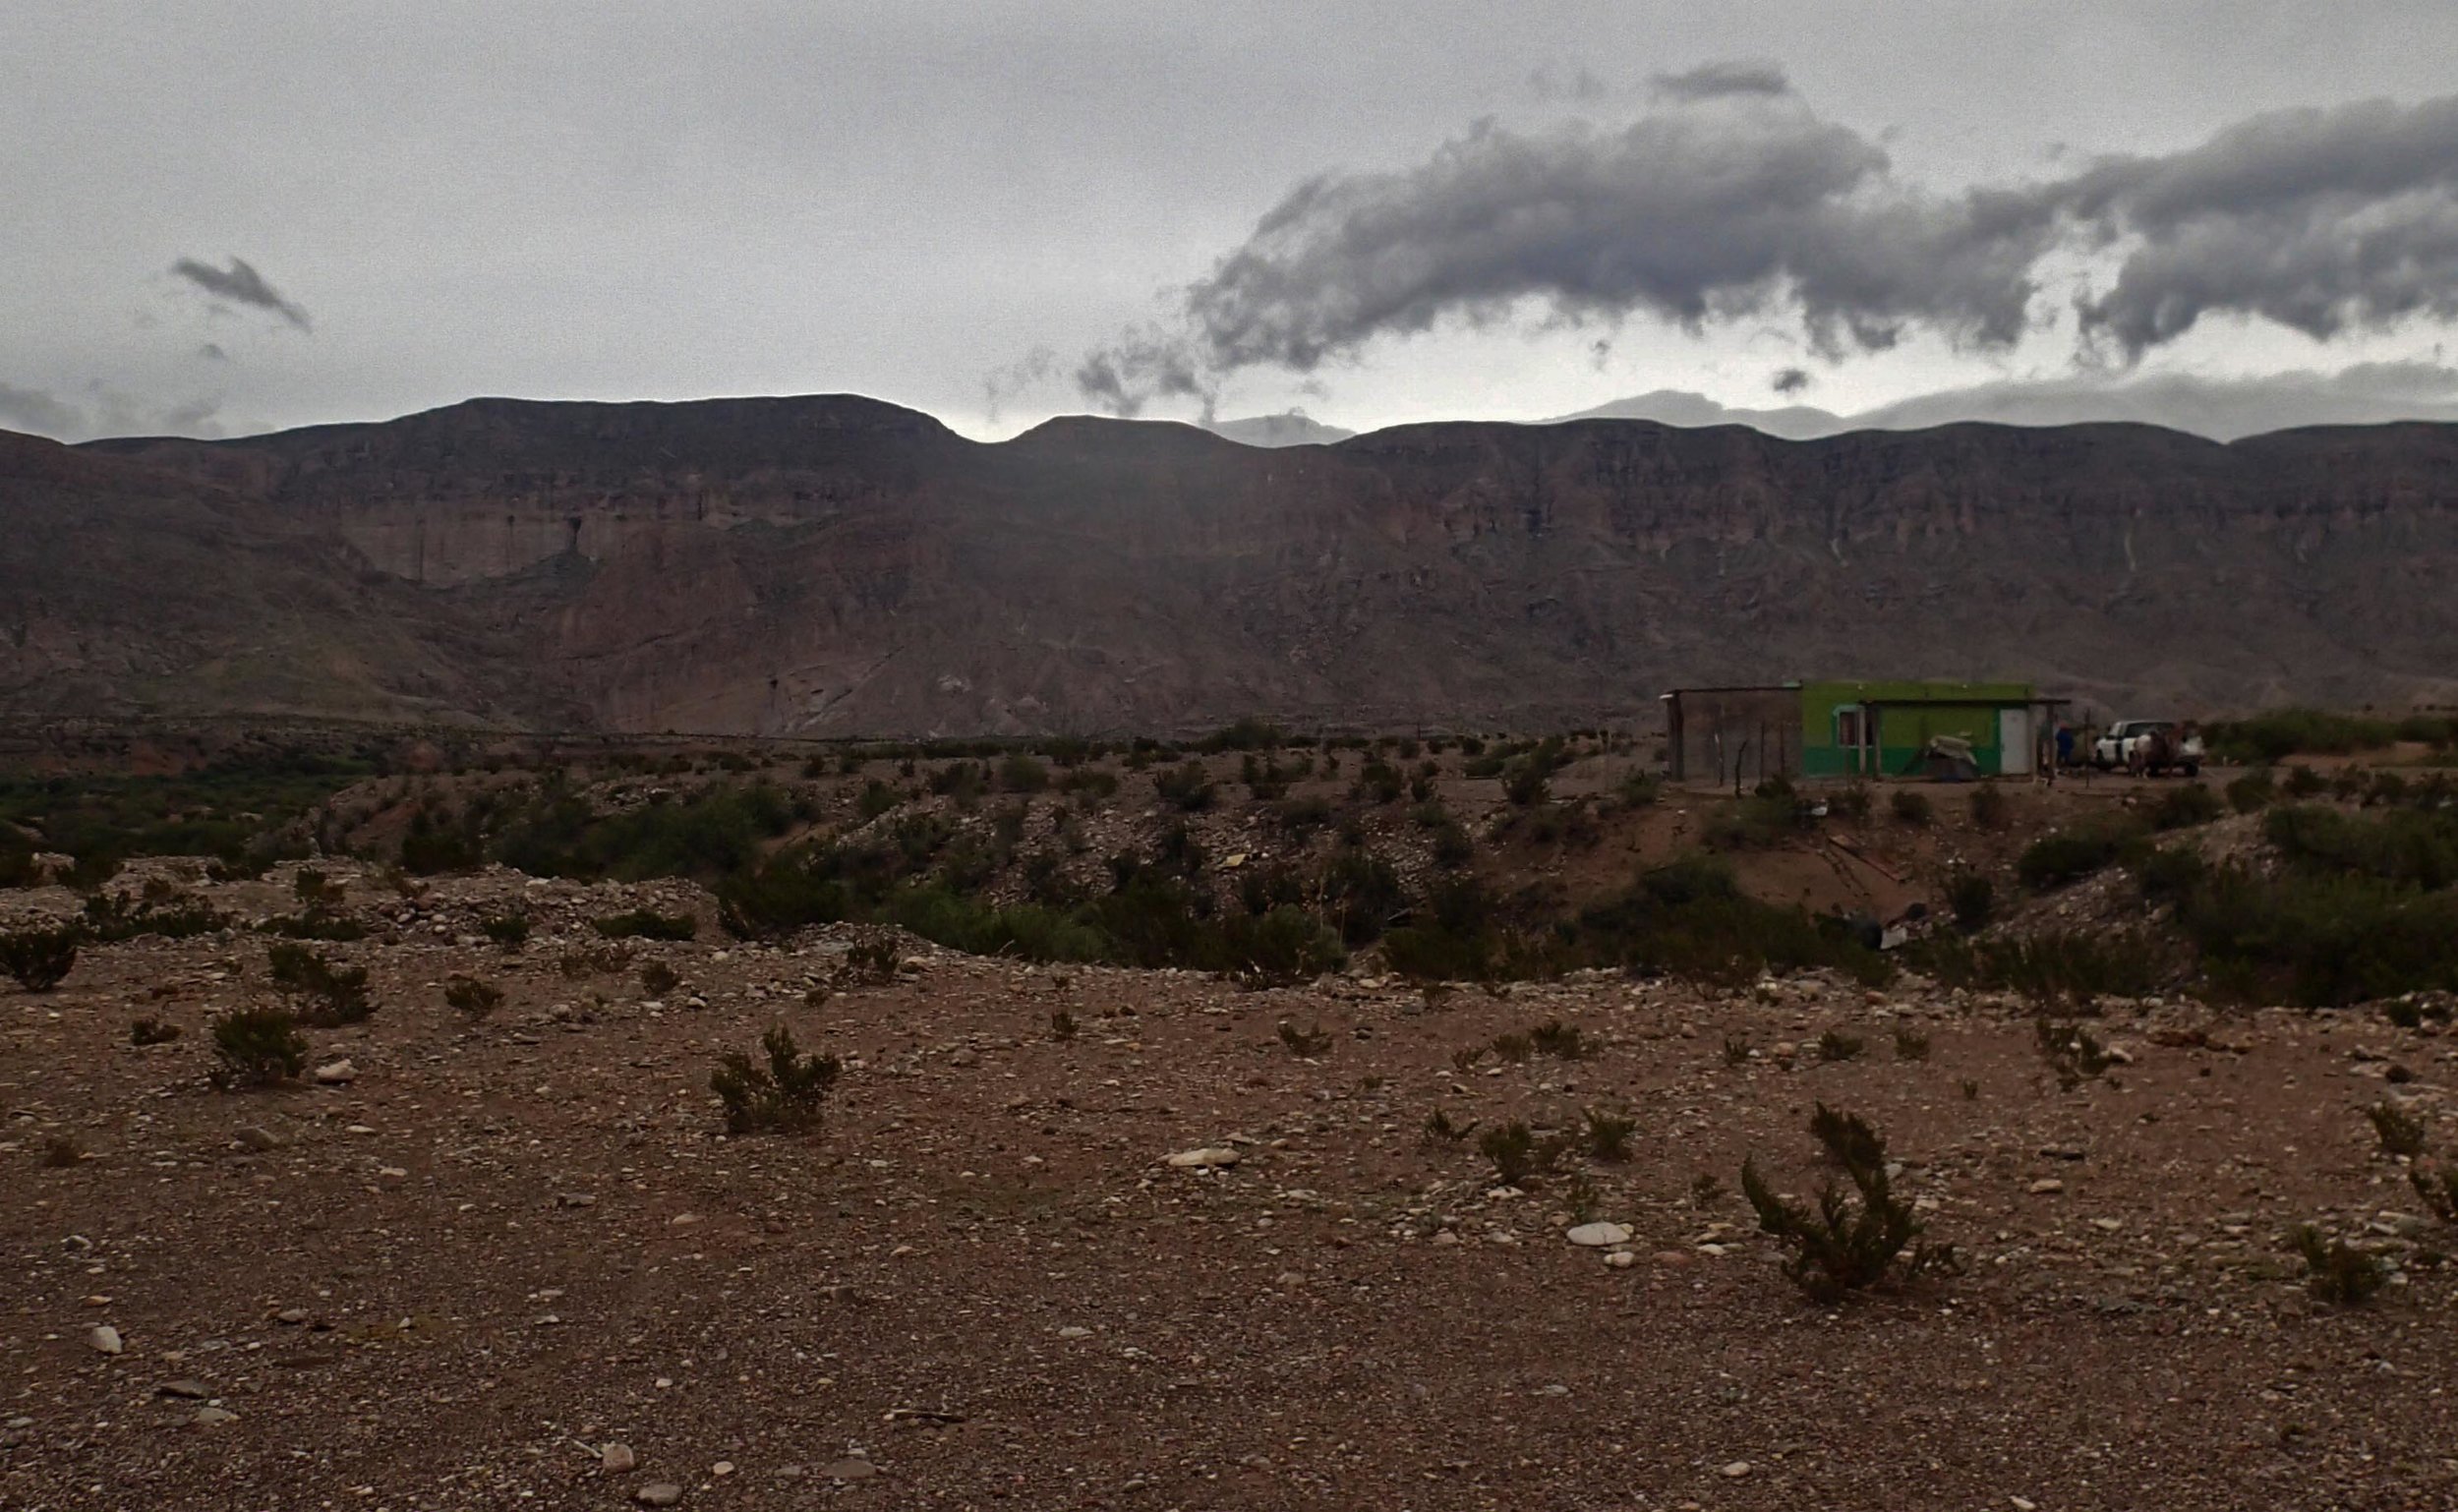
pixel 1742 203
pixel 241 285
pixel 2222 408
pixel 2322 220
pixel 31 409
pixel 1718 81
pixel 1791 381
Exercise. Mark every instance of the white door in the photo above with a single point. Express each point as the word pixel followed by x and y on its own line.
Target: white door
pixel 2013 741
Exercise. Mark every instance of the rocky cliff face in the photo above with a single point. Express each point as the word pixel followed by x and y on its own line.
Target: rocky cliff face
pixel 835 565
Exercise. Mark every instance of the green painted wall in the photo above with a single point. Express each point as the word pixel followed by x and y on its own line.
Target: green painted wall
pixel 1910 715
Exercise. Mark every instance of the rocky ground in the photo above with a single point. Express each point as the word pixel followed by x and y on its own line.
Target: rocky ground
pixel 515 1262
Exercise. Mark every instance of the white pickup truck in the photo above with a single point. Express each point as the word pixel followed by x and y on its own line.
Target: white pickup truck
pixel 2153 745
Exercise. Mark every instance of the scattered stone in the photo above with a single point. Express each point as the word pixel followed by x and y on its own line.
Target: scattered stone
pixel 658 1493
pixel 213 1416
pixel 1208 1158
pixel 850 1470
pixel 2047 1185
pixel 259 1139
pixel 1738 1468
pixel 618 1459
pixel 105 1338
pixel 293 1316
pixel 1074 1333
pixel 1598 1235
pixel 1622 1260
pixel 336 1074
pixel 195 1390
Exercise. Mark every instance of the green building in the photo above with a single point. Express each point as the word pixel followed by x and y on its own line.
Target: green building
pixel 1890 729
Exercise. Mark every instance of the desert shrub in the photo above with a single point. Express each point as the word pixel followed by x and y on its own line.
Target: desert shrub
pixel 331 928
pixel 647 924
pixel 2321 939
pixel 2074 1053
pixel 1187 786
pixel 2170 873
pixel 1846 1246
pixel 40 959
pixel 2184 807
pixel 1562 1041
pixel 1910 1044
pixel 1518 1154
pixel 1246 735
pixel 334 995
pixel 2253 792
pixel 656 979
pixel 2302 781
pixel 1991 808
pixel 2436 1186
pixel 471 997
pixel 1304 1044
pixel 1360 895
pixel 1772 812
pixel 1607 1136
pixel 1910 807
pixel 1282 946
pixel 1971 898
pixel 2336 1271
pixel 877 798
pixel 1737 1050
pixel 1380 781
pixel 1689 918
pixel 2402 845
pixel 2278 734
pixel 1062 1025
pixel 2399 1132
pixel 1512 1047
pixel 257 1047
pixel 787 1095
pixel 963 780
pixel 1439 1127
pixel 152 1031
pixel 1090 785
pixel 509 930
pixel 1638 789
pixel 1019 773
pixel 2069 855
pixel 108 919
pixel 709 834
pixel 872 961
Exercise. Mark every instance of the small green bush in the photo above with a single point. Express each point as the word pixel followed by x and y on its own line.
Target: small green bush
pixel 2399 1132
pixel 40 959
pixel 2335 1271
pixel 2182 809
pixel 2055 861
pixel 471 997
pixel 1441 1129
pixel 1187 786
pixel 1836 1045
pixel 1019 773
pixel 788 1095
pixel 1304 1044
pixel 1910 1044
pixel 2074 1053
pixel 509 930
pixel 1607 1136
pixel 1518 1155
pixel 2253 792
pixel 147 1032
pixel 1910 807
pixel 1991 808
pixel 257 1047
pixel 334 995
pixel 1971 898
pixel 1848 1246
pixel 1562 1041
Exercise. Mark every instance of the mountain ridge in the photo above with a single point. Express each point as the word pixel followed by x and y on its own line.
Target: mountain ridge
pixel 834 564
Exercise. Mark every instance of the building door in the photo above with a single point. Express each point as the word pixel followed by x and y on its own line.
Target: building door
pixel 2013 741
pixel 1856 737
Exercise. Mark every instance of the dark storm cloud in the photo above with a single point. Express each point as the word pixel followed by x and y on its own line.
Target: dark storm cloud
pixel 2322 220
pixel 1715 81
pixel 241 285
pixel 1741 203
pixel 1791 381
pixel 31 409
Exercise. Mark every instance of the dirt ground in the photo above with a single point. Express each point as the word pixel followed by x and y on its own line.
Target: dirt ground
pixel 487 1261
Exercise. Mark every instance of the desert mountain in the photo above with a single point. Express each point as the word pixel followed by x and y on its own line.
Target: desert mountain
pixel 833 565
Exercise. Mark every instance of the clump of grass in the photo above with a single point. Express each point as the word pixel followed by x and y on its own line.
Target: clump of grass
pixel 787 1095
pixel 1991 808
pixel 2437 1187
pixel 332 995
pixel 1582 1198
pixel 152 1031
pixel 1464 1059
pixel 1558 1039
pixel 1607 1136
pixel 61 1151
pixel 605 960
pixel 872 961
pixel 1062 1025
pixel 1971 898
pixel 1910 807
pixel 2336 1271
pixel 1836 1045
pixel 509 930
pixel 647 924
pixel 471 997
pixel 257 1047
pixel 1514 1048
pixel 1737 1050
pixel 1846 1245
pixel 1910 1044
pixel 1304 1044
pixel 2072 1051
pixel 1706 1190
pixel 656 979
pixel 1440 1127
pixel 1518 1154
pixel 40 959
pixel 2401 1133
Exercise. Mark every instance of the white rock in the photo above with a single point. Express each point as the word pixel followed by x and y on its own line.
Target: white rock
pixel 105 1338
pixel 1620 1259
pixel 1737 1470
pixel 618 1459
pixel 1205 1159
pixel 1598 1235
pixel 336 1074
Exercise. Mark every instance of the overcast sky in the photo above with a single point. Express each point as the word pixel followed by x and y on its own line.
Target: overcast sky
pixel 227 216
